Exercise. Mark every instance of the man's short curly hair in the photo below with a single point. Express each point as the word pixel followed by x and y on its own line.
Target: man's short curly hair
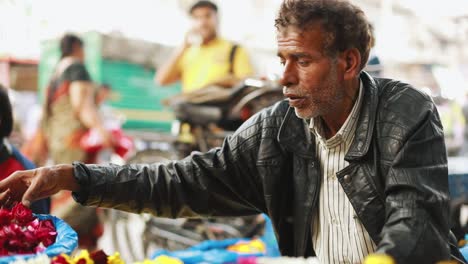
pixel 346 24
pixel 203 3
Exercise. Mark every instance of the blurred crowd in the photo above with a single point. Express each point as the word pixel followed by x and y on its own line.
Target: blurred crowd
pixel 454 117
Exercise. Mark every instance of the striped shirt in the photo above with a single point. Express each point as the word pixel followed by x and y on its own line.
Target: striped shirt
pixel 338 235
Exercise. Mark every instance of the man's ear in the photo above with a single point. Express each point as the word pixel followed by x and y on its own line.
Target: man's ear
pixel 352 59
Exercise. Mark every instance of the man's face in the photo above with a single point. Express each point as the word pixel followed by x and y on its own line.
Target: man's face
pixel 205 22
pixel 312 80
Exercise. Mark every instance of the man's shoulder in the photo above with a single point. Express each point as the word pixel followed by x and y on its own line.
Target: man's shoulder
pixel 220 44
pixel 402 104
pixel 228 44
pixel 391 87
pixel 225 42
pixel 395 93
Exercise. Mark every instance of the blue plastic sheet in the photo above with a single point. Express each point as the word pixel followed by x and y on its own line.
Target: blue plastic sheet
pixel 215 252
pixel 66 241
pixel 194 256
pixel 269 237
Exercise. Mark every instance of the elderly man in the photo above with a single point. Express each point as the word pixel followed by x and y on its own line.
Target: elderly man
pixel 349 165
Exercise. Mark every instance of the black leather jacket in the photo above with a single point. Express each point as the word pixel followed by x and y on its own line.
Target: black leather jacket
pixel 397 179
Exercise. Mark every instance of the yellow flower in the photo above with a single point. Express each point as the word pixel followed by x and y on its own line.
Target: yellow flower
pixel 115 259
pixel 67 258
pixel 378 259
pixel 245 247
pixel 84 254
pixel 161 260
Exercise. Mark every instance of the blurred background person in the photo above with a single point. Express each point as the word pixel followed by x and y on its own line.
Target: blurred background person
pixel 464 151
pixel 70 111
pixel 453 122
pixel 205 58
pixel 70 107
pixel 11 159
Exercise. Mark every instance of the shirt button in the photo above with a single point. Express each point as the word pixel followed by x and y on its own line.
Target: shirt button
pixel 347 178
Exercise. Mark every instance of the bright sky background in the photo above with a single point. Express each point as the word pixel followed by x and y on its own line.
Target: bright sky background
pixel 23 23
pixel 433 9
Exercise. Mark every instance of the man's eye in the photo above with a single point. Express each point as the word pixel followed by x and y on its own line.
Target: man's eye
pixel 303 62
pixel 282 62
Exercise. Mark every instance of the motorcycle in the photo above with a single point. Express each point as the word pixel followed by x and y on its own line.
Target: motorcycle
pixel 205 118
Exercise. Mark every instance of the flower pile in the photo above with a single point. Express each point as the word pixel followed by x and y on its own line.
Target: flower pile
pixel 161 259
pixel 84 257
pixel 22 233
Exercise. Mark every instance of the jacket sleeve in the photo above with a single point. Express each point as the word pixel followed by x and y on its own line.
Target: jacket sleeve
pixel 416 189
pixel 221 182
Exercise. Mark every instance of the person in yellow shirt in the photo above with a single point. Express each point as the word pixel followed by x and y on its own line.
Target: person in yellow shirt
pixel 204 58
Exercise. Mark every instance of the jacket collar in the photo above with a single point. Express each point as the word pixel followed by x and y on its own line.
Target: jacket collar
pixel 294 134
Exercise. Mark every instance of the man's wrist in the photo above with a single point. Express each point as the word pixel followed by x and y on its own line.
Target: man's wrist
pixel 65 175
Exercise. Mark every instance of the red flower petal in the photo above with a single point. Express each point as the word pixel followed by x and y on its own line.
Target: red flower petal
pixel 5 217
pixel 22 214
pixel 99 257
pixel 22 233
pixel 81 261
pixel 59 260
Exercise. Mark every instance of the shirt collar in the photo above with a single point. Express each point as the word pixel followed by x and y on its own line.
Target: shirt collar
pixel 349 126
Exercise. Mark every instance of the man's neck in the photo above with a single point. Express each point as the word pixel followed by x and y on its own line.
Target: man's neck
pixel 209 40
pixel 334 121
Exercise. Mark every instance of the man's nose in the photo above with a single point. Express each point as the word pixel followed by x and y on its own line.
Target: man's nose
pixel 289 76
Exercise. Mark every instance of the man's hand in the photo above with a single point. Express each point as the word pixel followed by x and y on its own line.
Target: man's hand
pixel 192 37
pixel 31 185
